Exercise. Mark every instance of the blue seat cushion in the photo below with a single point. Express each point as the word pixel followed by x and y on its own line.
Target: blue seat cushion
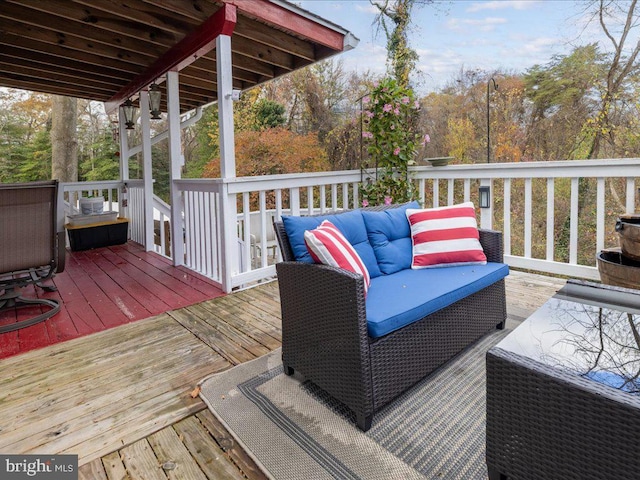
pixel 404 297
pixel 390 236
pixel 350 224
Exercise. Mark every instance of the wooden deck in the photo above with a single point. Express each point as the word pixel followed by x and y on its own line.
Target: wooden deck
pixel 120 399
pixel 105 288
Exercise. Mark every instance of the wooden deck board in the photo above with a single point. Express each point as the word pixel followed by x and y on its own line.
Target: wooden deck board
pixel 141 463
pixel 120 399
pixel 105 288
pixel 174 456
pixel 94 471
pixel 113 467
pixel 208 454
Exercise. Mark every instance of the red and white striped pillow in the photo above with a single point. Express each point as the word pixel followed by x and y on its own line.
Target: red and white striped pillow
pixel 327 245
pixel 445 236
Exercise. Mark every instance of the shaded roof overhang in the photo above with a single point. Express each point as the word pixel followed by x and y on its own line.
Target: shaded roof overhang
pixel 108 50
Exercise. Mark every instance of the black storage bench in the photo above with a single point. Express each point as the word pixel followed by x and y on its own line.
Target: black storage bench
pixel 96 235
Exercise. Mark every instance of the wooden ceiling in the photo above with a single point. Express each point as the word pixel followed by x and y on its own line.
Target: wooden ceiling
pixel 102 49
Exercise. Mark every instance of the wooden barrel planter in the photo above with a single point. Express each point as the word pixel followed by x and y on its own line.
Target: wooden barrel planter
pixel 628 228
pixel 618 269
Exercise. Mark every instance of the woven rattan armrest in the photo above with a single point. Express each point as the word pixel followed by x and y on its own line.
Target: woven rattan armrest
pixel 492 244
pixel 324 329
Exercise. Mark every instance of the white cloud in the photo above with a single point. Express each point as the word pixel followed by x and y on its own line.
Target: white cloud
pixel 501 5
pixel 484 24
pixel 538 45
pixel 367 8
pixel 368 56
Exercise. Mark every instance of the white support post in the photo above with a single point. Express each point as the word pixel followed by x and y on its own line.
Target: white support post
pixel 486 214
pixel 173 117
pixel 600 214
pixel 147 172
pixel 630 197
pixel 124 161
pixel 528 215
pixel 323 199
pixel 229 209
pixel 467 190
pixel 551 218
pixel 294 200
pixel 573 221
pixel 506 226
pixel 436 193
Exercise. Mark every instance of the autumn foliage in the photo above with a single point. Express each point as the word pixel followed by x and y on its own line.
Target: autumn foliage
pixel 274 151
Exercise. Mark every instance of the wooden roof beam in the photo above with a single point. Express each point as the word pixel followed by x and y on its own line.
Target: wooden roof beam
pixel 32 70
pixel 101 73
pixel 12 80
pixel 291 21
pixel 201 41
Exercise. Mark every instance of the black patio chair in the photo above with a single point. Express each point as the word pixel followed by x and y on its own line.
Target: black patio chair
pixel 31 249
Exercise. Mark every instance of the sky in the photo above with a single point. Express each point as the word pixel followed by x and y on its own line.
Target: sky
pixel 499 35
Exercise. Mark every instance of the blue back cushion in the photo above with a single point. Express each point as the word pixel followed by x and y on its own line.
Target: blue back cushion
pixel 390 236
pixel 351 224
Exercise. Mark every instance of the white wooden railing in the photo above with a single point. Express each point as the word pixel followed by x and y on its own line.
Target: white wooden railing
pixel 557 196
pixel 520 191
pixel 115 193
pixel 201 225
pixel 537 205
pixel 69 195
pixel 255 202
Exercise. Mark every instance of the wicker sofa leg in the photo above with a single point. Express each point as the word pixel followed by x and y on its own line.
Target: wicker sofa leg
pixel 501 325
pixel 495 474
pixel 288 371
pixel 364 421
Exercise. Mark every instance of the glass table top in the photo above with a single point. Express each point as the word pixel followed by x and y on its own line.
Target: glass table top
pixel 591 336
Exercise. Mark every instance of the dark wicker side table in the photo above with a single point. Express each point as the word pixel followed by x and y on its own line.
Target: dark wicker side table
pixel 563 389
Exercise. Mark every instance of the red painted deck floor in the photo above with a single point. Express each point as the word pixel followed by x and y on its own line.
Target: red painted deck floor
pixel 104 288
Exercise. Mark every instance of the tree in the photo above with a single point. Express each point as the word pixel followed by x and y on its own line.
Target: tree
pixel 64 140
pixel 25 154
pixel 561 95
pixel 97 146
pixel 268 114
pixel 609 14
pixel 460 139
pixel 394 18
pixel 273 151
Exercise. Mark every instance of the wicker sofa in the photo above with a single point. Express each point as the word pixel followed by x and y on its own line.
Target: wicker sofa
pixel 327 339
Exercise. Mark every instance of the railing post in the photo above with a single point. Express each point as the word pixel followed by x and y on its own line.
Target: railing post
pixel 229 209
pixel 528 215
pixel 600 214
pixel 630 196
pixel 147 170
pixel 173 115
pixel 506 226
pixel 124 162
pixel 573 221
pixel 551 218
pixel 486 214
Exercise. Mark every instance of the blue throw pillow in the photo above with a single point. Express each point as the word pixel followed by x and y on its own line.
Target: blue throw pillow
pixel 350 224
pixel 390 236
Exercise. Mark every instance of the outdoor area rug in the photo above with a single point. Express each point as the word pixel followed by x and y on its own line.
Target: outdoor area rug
pixel 293 430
